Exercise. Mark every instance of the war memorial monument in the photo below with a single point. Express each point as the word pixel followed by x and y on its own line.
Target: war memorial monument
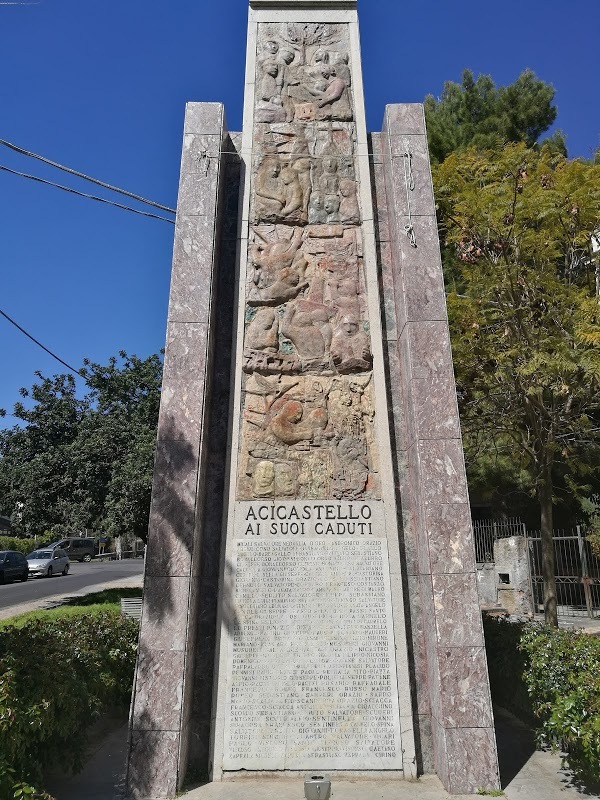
pixel 310 598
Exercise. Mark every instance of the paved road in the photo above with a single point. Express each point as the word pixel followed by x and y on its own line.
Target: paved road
pixel 79 578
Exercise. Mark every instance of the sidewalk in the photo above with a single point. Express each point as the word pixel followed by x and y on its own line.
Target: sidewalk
pixel 135 581
pixel 585 624
pixel 526 774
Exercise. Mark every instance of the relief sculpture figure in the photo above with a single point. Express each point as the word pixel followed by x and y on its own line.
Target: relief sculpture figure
pixel 349 211
pixel 316 210
pixel 286 484
pixel 308 437
pixel 332 208
pixel 333 101
pixel 352 474
pixel 279 194
pixel 263 484
pixel 301 163
pixel 263 331
pixel 333 199
pixel 270 104
pixel 278 270
pixel 329 182
pixel 350 347
pixel 294 85
pixel 308 326
pixel 289 426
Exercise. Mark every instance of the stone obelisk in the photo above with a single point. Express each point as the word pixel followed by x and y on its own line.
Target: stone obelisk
pixel 309 457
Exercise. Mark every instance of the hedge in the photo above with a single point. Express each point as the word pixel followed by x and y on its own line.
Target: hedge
pixel 56 677
pixel 24 546
pixel 553 676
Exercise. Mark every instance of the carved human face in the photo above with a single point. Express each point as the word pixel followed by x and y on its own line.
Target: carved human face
pixel 316 201
pixel 332 204
pixel 350 327
pixel 264 478
pixel 286 484
pixel 273 169
pixel 330 165
pixel 287 56
pixel 347 188
pixel 272 47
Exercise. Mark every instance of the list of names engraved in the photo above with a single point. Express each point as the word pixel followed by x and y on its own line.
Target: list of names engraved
pixel 312 674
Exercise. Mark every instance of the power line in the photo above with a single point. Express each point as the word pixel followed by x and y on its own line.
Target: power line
pixel 39 344
pixel 83 194
pixel 24 152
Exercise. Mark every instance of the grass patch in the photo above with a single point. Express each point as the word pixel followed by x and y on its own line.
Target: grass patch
pixel 108 596
pixel 94 603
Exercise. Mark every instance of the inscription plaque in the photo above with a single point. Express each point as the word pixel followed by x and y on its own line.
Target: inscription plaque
pixel 309 519
pixel 312 677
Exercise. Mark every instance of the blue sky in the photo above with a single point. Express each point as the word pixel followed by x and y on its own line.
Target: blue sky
pixel 101 87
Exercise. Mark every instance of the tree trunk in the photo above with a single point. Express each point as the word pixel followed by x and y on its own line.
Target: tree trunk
pixel 548 571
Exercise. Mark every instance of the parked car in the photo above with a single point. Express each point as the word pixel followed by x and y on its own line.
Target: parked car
pixel 77 548
pixel 48 562
pixel 13 565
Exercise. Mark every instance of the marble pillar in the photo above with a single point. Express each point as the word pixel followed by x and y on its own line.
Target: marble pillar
pixel 171 705
pixel 452 705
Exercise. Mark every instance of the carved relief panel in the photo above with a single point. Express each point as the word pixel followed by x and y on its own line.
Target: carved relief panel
pixel 307 422
pixel 308 437
pixel 303 73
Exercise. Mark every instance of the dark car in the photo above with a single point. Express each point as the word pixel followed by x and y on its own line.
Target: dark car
pixel 77 548
pixel 13 565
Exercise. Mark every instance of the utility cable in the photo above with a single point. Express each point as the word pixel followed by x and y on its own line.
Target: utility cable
pixel 24 152
pixel 39 344
pixel 83 194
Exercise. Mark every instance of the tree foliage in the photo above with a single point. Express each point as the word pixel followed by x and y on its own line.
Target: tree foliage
pixel 477 113
pixel 83 462
pixel 525 319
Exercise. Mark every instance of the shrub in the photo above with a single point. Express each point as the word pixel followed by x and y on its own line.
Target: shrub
pixel 563 680
pixel 55 679
pixel 24 546
pixel 553 677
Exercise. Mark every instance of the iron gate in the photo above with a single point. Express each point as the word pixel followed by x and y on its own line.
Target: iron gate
pixel 577 572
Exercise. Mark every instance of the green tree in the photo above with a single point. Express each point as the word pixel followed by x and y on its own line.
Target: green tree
pixel 83 462
pixel 477 113
pixel 525 318
pixel 35 456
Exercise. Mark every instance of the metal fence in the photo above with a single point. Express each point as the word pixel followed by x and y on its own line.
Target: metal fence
pixel 486 531
pixel 577 572
pixel 577 568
